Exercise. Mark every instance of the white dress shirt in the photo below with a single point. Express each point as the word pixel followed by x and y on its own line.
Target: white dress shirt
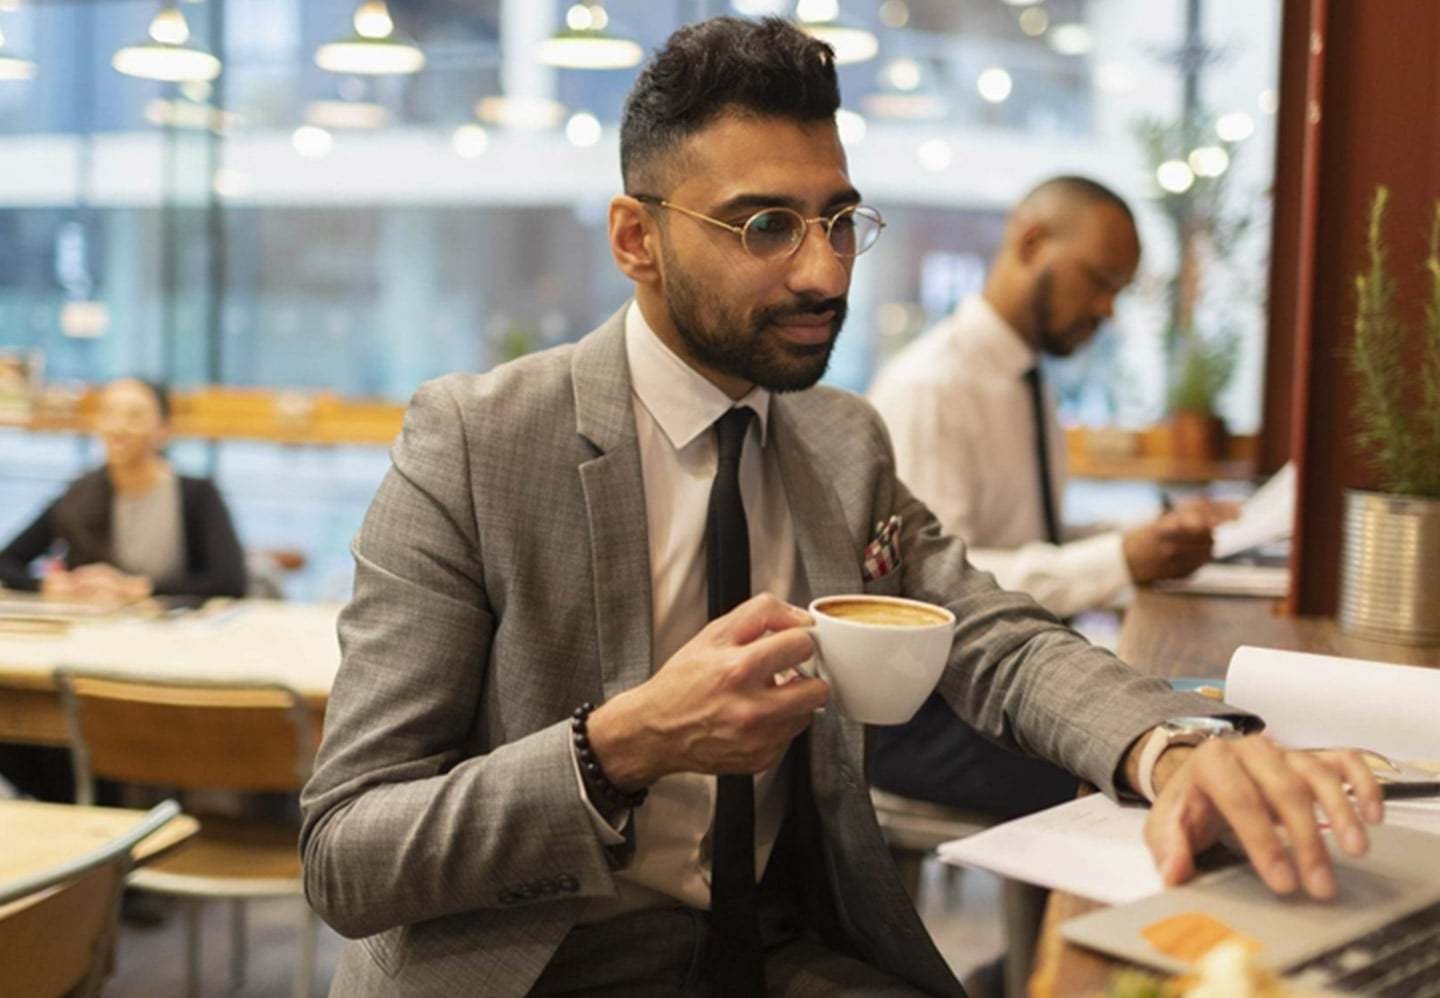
pixel 959 413
pixel 675 408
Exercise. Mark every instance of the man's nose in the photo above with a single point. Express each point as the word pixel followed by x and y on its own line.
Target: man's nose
pixel 815 268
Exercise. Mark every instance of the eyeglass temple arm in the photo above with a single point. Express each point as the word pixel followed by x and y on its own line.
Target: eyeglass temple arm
pixel 652 199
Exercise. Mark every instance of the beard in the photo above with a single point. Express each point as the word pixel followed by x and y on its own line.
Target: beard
pixel 742 346
pixel 1060 342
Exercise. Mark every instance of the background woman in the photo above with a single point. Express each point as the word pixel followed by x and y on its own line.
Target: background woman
pixel 133 527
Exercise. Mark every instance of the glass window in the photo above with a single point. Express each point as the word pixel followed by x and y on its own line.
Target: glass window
pixel 292 228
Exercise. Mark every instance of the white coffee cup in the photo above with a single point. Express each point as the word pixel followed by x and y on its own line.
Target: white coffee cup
pixel 882 657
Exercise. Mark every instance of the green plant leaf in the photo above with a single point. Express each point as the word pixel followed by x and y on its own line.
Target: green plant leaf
pixel 1397 414
pixel 1202 371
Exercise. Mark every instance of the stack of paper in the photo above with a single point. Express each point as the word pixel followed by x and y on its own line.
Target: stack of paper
pixel 1319 701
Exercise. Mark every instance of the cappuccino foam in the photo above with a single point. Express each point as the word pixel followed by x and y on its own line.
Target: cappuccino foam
pixel 883 613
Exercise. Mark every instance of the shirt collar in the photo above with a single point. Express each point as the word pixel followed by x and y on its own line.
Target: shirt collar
pixel 682 401
pixel 1001 344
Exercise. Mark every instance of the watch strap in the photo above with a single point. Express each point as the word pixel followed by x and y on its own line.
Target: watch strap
pixel 1158 741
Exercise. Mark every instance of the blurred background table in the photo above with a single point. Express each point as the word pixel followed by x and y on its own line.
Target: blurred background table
pixel 241 639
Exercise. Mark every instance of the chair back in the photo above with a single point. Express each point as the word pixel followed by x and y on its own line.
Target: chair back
pixel 188 734
pixel 57 926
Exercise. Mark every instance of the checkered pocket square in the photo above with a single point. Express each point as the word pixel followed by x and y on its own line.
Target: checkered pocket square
pixel 882 554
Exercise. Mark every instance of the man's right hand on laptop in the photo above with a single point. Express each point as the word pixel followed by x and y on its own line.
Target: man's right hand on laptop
pixel 1255 788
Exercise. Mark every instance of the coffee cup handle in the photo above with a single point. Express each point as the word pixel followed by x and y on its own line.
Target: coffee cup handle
pixel 810 668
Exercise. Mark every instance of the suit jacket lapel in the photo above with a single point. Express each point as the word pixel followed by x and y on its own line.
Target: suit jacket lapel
pixel 871 903
pixel 615 506
pixel 829 558
pixel 829 562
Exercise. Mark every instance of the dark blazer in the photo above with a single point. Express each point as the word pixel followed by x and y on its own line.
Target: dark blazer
pixel 214 563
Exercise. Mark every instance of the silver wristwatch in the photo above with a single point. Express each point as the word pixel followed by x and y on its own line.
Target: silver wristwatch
pixel 1178 731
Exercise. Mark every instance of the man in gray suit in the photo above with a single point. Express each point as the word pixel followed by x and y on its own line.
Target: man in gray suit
pixel 557 532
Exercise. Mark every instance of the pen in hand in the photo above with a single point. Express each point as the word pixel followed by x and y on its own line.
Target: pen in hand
pixel 1405 789
pixel 1410 789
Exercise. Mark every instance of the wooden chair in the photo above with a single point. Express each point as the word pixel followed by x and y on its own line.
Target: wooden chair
pixel 199 735
pixel 57 927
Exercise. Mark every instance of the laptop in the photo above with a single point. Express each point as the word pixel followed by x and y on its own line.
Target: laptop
pixel 1380 935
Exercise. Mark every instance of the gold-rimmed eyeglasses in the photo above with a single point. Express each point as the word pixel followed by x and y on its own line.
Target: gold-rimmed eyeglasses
pixel 776 233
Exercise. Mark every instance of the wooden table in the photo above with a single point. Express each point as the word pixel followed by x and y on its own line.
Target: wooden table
pixel 1173 635
pixel 241 639
pixel 36 837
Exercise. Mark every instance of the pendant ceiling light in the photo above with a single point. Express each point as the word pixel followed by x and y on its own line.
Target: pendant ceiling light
pixel 373 50
pixel 166 55
pixel 584 43
pixel 520 112
pixel 12 67
pixel 821 19
pixel 906 91
pixel 347 114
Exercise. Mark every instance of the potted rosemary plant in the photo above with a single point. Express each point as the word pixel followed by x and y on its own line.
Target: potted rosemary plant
pixel 1389 580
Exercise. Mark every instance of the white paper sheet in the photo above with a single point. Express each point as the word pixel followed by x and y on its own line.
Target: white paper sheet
pixel 1096 848
pixel 1092 847
pixel 1266 516
pixel 1315 701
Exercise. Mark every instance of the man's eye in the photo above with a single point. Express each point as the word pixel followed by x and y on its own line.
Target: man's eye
pixel 769 223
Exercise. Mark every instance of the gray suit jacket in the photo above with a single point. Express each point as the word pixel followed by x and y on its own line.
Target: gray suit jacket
pixel 502 578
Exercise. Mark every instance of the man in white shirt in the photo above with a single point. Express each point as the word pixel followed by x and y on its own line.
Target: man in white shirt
pixel 961 403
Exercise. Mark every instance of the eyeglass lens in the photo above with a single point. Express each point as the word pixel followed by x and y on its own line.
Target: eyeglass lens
pixel 778 231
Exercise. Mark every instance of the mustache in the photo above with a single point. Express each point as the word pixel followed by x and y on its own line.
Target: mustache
pixel 817 306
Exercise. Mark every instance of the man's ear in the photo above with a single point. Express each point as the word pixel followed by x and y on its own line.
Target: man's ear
pixel 634 240
pixel 1031 242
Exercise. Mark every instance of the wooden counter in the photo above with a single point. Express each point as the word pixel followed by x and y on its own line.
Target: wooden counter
pixel 1151 454
pixel 219 412
pixel 224 413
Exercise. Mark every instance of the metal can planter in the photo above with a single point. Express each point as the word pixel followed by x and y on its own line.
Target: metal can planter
pixel 1390 568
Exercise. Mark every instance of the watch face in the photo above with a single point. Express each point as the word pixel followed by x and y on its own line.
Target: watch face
pixel 1210 727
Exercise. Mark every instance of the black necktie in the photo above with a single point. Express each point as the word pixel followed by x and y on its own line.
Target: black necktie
pixel 736 963
pixel 1042 454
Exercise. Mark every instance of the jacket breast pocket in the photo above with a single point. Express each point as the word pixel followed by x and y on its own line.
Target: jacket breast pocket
pixel 887 585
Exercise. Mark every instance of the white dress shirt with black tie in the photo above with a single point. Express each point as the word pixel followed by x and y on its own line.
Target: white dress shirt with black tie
pixel 675 408
pixel 959 412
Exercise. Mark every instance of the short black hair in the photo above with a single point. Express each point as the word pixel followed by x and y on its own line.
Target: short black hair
pixel 767 67
pixel 159 389
pixel 1081 190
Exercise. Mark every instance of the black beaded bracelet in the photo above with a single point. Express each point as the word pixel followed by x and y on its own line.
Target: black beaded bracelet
pixel 601 790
